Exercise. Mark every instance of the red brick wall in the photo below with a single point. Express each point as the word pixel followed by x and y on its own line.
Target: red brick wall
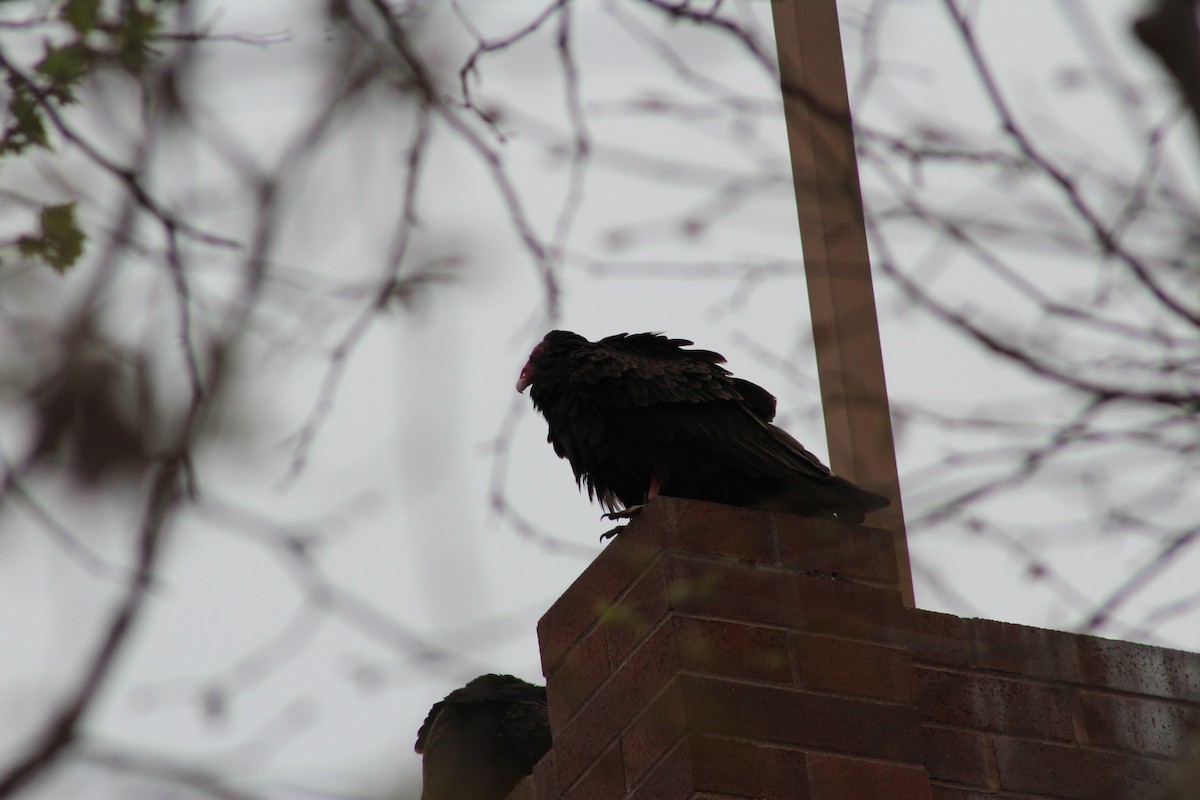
pixel 711 651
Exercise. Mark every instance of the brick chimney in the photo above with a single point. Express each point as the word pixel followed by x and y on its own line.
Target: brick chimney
pixel 713 651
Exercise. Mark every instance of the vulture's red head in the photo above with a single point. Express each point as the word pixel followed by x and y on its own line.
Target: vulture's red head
pixel 530 368
pixel 549 358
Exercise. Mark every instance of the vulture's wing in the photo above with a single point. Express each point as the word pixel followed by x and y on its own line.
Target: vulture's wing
pixel 645 369
pixel 685 395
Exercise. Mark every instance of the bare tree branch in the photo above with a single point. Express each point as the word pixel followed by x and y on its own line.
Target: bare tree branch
pixel 62 729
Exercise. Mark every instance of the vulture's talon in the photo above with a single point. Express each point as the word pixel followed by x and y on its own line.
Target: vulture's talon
pixel 612 534
pixel 627 513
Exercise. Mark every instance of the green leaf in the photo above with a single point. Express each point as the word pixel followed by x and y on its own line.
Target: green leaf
pixel 27 128
pixel 61 241
pixel 81 14
pixel 131 36
pixel 65 67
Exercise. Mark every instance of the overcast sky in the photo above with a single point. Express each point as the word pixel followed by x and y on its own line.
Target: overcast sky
pixel 400 474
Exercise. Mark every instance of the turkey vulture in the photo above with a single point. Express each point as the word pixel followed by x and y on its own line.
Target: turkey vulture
pixel 637 415
pixel 481 740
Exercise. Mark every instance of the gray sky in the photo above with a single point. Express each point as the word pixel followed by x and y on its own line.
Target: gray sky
pixel 400 473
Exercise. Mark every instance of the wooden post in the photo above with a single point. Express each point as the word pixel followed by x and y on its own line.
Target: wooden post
pixel 836 263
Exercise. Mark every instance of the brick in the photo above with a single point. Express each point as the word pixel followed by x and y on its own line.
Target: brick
pixel 942 792
pixel 654 732
pixel 776 715
pixel 723 766
pixel 731 591
pixel 604 781
pixel 630 619
pixel 852 610
pixel 733 648
pixel 1183 777
pixel 1141 669
pixel 1136 724
pixel 525 790
pixel 701 765
pixel 580 672
pixel 1033 652
pixel 1136 668
pixel 1077 773
pixel 830 546
pixel 959 756
pixel 990 703
pixel 842 665
pixel 720 530
pixel 545 778
pixel 838 778
pixel 576 611
pixel 771 597
pixel 653 525
pixel 935 637
pixel 670 779
pixel 614 705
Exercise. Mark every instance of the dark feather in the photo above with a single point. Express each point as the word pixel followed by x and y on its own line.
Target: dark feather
pixel 480 740
pixel 636 407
